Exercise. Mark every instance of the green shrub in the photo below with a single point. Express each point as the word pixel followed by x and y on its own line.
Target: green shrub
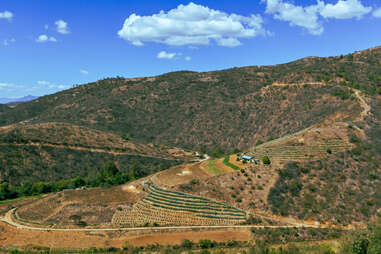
pixel 266 160
pixel 259 142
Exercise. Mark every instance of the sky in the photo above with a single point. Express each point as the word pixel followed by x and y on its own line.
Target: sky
pixel 47 46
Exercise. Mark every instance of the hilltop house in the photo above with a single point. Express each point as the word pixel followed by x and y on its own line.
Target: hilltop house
pixel 247 158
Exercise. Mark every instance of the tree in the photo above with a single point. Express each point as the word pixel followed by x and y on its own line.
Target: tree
pixel 187 244
pixel 110 169
pixel 259 142
pixel 6 192
pixel 266 160
pixel 78 182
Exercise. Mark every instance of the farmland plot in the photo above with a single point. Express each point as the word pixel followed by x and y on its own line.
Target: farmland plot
pixel 164 208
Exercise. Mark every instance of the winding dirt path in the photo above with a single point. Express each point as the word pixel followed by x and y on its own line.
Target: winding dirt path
pixel 8 218
pixel 366 107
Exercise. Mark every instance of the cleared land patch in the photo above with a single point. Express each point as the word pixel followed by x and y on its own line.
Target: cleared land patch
pixel 94 206
pixel 311 144
pixel 180 174
pixel 216 167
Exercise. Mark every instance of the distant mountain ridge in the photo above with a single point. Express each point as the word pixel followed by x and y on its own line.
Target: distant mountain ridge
pixel 21 99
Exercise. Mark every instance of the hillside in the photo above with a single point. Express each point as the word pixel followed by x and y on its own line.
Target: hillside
pixel 228 109
pixel 3 108
pixel 317 119
pixel 55 151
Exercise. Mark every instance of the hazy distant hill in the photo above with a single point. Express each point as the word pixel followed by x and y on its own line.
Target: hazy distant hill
pixel 17 100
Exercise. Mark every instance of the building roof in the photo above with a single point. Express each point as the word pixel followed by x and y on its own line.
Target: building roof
pixel 246 157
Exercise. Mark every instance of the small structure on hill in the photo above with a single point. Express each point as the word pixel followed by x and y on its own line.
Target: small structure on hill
pixel 247 158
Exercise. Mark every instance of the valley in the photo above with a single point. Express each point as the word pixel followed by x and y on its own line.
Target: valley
pixel 160 159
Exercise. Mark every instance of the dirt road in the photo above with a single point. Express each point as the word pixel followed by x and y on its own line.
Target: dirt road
pixel 8 219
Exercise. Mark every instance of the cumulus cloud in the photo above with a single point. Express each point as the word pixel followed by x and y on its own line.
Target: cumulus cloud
pixel 165 55
pixel 377 13
pixel 44 38
pixel 191 24
pixel 84 72
pixel 297 15
pixel 6 15
pixel 309 17
pixel 345 9
pixel 7 42
pixel 62 27
pixel 188 58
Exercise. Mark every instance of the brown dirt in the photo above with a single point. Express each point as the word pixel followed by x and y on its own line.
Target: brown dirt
pixel 11 236
pixel 59 207
pixel 177 238
pixel 179 175
pixel 253 193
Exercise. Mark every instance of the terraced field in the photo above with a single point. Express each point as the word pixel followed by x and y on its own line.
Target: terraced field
pixel 306 145
pixel 163 208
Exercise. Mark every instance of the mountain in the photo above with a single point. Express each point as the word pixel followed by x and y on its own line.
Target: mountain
pixel 222 109
pixel 215 111
pixel 17 100
pixel 314 125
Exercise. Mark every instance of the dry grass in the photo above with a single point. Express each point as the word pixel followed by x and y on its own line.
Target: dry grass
pixel 94 206
pixel 10 236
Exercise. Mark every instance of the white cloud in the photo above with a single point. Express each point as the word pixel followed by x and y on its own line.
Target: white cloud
pixel 345 9
pixel 7 42
pixel 84 72
pixel 5 85
pixel 306 17
pixel 43 82
pixel 46 27
pixel 377 13
pixel 228 42
pixel 165 55
pixel 191 24
pixel 62 27
pixel 309 17
pixel 188 58
pixel 6 15
pixel 44 38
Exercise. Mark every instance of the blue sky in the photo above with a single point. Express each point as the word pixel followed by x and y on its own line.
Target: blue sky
pixel 47 46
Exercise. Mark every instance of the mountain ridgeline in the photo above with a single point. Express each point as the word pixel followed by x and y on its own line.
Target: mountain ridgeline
pixel 223 109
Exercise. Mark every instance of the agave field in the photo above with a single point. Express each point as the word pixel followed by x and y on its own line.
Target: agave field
pixel 164 208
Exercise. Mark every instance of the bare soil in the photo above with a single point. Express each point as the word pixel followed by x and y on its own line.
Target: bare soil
pixel 11 236
pixel 180 175
pixel 94 206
